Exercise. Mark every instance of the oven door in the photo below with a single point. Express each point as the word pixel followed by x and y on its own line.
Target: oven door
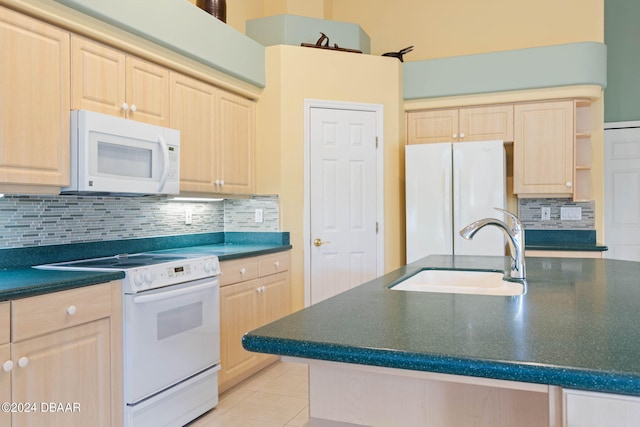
pixel 170 334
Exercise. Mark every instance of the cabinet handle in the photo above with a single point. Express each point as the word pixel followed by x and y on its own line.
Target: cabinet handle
pixel 243 271
pixel 461 135
pixel 569 184
pixel 455 135
pixel 222 182
pixel 260 289
pixel 7 366
pixel 277 264
pixel 133 107
pixel 23 361
pixel 125 106
pixel 71 310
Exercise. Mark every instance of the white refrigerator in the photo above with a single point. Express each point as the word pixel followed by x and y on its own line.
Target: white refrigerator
pixel 448 186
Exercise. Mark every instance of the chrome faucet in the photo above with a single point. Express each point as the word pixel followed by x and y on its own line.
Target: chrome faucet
pixel 515 236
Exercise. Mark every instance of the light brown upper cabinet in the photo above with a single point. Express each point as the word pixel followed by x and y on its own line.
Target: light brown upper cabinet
pixel 217 137
pixel 193 113
pixel 34 103
pixel 110 81
pixel 547 137
pixel 236 124
pixel 461 124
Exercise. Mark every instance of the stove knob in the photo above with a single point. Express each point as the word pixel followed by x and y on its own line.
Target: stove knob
pixel 208 267
pixel 138 279
pixel 148 277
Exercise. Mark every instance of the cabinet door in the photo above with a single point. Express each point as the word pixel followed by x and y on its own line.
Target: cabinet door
pixel 586 409
pixel 543 149
pixel 147 91
pixel 236 144
pixel 432 126
pixel 238 315
pixel 35 102
pixel 69 367
pixel 5 384
pixel 486 123
pixel 193 112
pixel 97 77
pixel 275 298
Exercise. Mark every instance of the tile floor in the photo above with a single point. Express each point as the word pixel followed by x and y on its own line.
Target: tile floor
pixel 277 396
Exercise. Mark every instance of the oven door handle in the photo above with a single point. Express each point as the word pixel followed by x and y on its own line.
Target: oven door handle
pixel 143 299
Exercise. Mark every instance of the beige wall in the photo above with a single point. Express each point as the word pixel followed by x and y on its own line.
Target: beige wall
pixel 441 28
pixel 293 75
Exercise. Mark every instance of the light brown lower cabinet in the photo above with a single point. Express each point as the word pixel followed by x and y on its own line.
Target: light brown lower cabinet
pixel 357 395
pixel 63 366
pixel 588 409
pixel 254 291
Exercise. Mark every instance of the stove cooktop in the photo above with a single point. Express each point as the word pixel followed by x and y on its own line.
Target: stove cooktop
pixel 146 271
pixel 122 262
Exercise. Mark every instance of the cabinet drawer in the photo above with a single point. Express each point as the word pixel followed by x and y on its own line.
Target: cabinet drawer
pixel 39 315
pixel 238 270
pixel 273 263
pixel 5 310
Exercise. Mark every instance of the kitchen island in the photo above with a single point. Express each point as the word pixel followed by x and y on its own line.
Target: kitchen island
pixel 472 359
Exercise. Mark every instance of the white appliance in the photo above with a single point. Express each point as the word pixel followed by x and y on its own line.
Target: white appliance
pixel 171 334
pixel 448 186
pixel 120 156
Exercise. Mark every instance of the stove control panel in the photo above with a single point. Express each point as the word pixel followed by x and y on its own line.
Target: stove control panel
pixel 170 273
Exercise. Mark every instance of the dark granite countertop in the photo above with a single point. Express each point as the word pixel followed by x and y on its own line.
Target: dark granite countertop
pixel 26 282
pixel 19 280
pixel 576 327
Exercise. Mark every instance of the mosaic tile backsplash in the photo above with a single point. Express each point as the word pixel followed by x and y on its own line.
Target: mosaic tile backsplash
pixel 52 220
pixel 529 212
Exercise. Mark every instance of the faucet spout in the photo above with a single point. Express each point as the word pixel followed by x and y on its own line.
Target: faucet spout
pixel 515 237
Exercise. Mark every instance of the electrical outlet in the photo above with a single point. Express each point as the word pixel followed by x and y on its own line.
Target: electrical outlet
pixel 259 216
pixel 545 214
pixel 571 213
pixel 188 216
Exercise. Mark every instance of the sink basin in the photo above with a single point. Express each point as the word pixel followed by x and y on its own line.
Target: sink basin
pixel 460 282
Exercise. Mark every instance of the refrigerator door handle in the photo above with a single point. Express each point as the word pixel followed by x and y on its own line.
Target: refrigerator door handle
pixel 448 195
pixel 457 165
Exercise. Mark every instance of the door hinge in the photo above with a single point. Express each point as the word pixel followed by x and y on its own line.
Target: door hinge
pixel 377 227
pixel 376 142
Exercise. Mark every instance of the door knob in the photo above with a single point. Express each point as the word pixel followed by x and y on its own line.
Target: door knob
pixel 319 242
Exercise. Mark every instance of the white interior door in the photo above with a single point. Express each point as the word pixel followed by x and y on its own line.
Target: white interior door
pixel 622 192
pixel 343 200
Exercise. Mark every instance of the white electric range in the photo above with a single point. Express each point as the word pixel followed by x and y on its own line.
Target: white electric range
pixel 171 334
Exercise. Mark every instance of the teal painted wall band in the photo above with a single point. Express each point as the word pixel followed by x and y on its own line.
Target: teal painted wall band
pixel 186 29
pixel 621 34
pixel 294 30
pixel 583 63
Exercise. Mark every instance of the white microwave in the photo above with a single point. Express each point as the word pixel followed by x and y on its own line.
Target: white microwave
pixel 122 157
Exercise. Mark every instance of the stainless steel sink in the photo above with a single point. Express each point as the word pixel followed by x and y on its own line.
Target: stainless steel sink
pixel 460 282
